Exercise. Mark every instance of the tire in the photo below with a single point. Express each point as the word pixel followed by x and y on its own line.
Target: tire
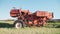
pixel 18 24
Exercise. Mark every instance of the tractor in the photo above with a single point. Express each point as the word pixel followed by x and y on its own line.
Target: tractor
pixel 26 18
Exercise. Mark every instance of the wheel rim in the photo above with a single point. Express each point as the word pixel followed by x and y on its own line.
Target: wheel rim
pixel 18 25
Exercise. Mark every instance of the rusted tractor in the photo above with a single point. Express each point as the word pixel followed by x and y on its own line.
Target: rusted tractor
pixel 26 18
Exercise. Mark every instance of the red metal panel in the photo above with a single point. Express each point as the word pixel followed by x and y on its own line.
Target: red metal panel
pixel 49 15
pixel 41 13
pixel 14 12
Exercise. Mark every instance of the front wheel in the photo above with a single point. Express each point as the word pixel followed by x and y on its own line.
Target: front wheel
pixel 18 24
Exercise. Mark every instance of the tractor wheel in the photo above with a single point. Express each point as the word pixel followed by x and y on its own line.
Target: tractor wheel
pixel 18 24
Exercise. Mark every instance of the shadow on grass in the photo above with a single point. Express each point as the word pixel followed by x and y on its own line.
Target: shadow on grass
pixel 6 25
pixel 52 26
pixel 58 26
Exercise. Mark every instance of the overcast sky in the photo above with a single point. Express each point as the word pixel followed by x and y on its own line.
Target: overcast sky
pixel 32 5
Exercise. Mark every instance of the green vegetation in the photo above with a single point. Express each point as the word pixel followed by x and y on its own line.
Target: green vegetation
pixel 50 28
pixel 53 25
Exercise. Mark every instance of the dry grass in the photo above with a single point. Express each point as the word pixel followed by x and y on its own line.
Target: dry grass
pixel 27 30
pixel 30 30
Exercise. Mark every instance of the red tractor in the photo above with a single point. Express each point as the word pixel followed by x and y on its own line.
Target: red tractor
pixel 26 18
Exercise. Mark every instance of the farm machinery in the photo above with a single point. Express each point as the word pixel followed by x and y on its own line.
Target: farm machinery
pixel 26 18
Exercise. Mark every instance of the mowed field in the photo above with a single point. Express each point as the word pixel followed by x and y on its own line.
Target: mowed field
pixel 6 28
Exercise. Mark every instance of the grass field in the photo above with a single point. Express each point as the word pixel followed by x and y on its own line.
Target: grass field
pixel 6 28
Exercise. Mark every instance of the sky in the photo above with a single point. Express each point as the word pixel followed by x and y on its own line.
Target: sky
pixel 32 5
